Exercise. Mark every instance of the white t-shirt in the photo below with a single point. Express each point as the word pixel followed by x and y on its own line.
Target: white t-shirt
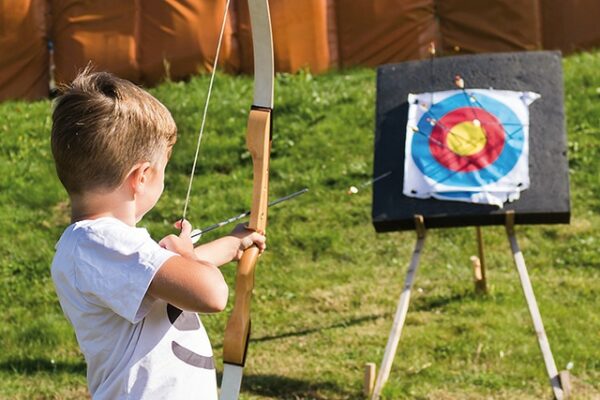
pixel 135 346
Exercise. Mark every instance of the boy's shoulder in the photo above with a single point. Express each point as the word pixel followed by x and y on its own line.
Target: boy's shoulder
pixel 104 267
pixel 108 263
pixel 109 233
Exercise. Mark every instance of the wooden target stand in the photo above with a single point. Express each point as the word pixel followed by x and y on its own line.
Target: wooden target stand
pixel 540 72
pixel 374 383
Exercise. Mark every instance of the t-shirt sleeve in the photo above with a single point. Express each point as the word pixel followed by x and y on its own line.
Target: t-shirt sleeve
pixel 115 266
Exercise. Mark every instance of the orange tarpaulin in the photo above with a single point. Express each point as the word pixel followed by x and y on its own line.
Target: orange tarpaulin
pixel 384 31
pixel 143 41
pixel 102 32
pixel 178 38
pixel 570 25
pixel 24 65
pixel 489 26
pixel 147 41
pixel 300 35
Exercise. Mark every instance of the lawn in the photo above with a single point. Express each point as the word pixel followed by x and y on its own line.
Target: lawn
pixel 327 288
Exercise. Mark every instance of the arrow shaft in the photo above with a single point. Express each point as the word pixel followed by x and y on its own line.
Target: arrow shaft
pixel 245 214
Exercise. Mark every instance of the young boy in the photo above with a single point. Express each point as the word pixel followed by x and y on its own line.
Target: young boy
pixel 132 301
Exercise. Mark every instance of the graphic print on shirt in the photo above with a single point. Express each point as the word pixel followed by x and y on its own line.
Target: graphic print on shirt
pixel 185 321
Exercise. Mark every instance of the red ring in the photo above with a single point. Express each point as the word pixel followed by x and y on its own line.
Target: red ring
pixel 455 162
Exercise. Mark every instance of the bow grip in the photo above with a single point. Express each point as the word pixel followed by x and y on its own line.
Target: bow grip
pixel 237 331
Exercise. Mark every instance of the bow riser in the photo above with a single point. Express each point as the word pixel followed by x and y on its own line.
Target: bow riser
pixel 237 332
pixel 258 141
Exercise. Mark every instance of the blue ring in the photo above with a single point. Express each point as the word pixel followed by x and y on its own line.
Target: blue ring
pixel 513 143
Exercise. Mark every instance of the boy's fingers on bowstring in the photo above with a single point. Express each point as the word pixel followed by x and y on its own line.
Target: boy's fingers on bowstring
pixel 166 241
pixel 178 224
pixel 185 227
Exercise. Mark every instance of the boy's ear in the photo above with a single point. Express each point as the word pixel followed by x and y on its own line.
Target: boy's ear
pixel 138 177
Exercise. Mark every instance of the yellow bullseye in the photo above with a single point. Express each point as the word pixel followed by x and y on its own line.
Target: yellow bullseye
pixel 466 138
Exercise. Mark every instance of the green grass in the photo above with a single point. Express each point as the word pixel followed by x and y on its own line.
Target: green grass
pixel 327 288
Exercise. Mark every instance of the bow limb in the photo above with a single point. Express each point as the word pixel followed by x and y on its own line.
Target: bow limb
pixel 258 140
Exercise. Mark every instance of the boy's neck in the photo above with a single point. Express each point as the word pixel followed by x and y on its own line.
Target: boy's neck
pixel 94 205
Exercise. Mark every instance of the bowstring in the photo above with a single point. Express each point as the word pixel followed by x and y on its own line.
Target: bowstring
pixel 209 92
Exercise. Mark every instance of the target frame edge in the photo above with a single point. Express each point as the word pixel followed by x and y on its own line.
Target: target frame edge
pixel 540 72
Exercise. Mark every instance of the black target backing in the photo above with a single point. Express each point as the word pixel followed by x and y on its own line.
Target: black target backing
pixel 547 199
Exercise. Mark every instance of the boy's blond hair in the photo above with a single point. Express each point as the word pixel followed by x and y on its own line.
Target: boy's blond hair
pixel 101 127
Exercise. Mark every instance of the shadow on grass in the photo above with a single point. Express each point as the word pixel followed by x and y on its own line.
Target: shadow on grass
pixel 32 366
pixel 309 331
pixel 426 303
pixel 264 385
pixel 282 387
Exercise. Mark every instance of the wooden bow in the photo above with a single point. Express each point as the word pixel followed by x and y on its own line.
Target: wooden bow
pixel 258 141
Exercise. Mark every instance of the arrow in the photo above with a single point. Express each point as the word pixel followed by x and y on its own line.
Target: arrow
pixel 197 233
pixel 355 189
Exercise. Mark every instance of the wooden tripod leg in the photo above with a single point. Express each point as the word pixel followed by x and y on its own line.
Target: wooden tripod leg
pixel 479 264
pixel 369 381
pixel 401 311
pixel 534 311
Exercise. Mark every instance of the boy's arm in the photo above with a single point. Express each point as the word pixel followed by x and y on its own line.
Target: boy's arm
pixel 190 285
pixel 219 251
pixel 187 282
pixel 191 281
pixel 230 247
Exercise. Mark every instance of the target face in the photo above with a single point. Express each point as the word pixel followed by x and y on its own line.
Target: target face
pixel 467 140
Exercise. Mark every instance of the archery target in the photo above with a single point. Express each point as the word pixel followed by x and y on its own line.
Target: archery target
pixel 471 141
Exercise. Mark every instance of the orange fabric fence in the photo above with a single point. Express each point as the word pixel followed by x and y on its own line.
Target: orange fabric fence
pixel 143 41
pixel 570 25
pixel 300 35
pixel 489 26
pixel 178 38
pixel 147 41
pixel 384 31
pixel 24 65
pixel 102 32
